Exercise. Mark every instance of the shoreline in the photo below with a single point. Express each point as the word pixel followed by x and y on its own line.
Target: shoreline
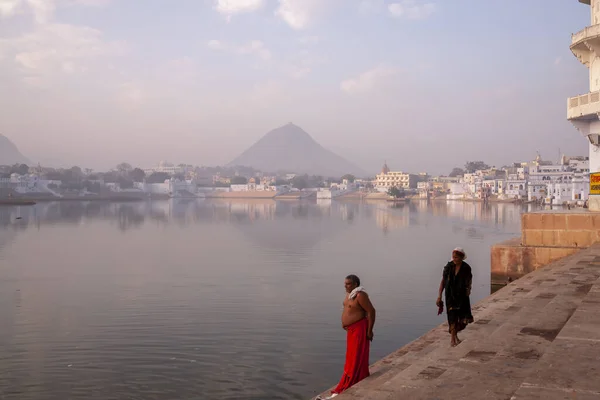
pixel 30 200
pixel 17 202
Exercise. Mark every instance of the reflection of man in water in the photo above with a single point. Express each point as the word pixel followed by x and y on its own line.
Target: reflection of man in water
pixel 358 319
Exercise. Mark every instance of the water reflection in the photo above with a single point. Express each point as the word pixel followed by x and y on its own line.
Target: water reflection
pixel 217 299
pixel 134 215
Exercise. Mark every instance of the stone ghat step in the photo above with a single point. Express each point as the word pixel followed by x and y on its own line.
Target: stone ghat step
pixel 538 336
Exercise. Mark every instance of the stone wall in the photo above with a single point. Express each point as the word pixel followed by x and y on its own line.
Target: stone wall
pixel 566 229
pixel 546 237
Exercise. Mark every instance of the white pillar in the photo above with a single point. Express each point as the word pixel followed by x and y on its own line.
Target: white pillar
pixel 585 114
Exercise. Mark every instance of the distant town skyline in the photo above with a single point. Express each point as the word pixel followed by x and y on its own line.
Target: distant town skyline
pixel 421 84
pixel 162 164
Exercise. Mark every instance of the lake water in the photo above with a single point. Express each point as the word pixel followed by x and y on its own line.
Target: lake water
pixel 218 300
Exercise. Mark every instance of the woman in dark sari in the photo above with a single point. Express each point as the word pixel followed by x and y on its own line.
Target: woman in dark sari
pixel 456 281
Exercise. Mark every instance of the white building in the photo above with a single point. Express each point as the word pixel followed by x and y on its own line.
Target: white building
pixel 583 111
pixel 457 191
pixel 388 179
pixel 168 168
pixel 171 187
pixel 336 190
pixel 424 188
pixel 568 192
pixel 254 185
pixel 30 183
pixel 536 191
pixel 516 188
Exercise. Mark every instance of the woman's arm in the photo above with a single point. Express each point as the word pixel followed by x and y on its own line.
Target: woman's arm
pixel 442 285
pixel 441 289
pixel 469 282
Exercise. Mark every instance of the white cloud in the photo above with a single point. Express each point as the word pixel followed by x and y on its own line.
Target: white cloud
pixel 8 8
pixel 230 7
pixel 299 14
pixel 256 47
pixel 368 80
pixel 215 45
pixel 53 49
pixel 412 9
pixel 42 10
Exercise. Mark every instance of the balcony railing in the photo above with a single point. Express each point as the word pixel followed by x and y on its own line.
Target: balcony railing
pixel 584 99
pixel 590 31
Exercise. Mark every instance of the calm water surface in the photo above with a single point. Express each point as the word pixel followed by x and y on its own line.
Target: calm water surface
pixel 218 300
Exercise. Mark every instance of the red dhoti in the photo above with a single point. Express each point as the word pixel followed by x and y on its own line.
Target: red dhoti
pixel 357 355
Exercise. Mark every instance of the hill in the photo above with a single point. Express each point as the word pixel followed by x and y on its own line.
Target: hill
pixel 9 154
pixel 289 148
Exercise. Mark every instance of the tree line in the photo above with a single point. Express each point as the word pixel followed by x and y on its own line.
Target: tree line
pixel 470 167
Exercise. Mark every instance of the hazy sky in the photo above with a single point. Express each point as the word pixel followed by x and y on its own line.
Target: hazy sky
pixel 423 84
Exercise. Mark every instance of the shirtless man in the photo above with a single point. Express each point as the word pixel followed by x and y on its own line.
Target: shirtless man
pixel 358 307
pixel 358 319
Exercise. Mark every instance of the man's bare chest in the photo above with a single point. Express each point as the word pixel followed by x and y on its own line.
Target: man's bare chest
pixel 352 305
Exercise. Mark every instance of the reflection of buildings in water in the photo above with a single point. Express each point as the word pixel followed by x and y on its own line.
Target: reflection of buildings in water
pixel 367 211
pixel 133 214
pixel 389 219
pixel 129 217
pixel 295 239
pixel 439 208
pixel 253 211
pixel 241 211
pixel 497 213
pixel 184 211
pixel 347 211
pixel 159 212
pixel 76 212
pixel 468 211
pixel 7 235
pixel 326 206
pixel 420 205
pixel 324 203
pixel 300 211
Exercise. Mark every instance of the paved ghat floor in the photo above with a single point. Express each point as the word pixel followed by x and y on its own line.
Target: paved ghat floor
pixel 537 338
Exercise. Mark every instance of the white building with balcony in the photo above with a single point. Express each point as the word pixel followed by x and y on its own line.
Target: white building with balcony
pixel 516 189
pixel 584 111
pixel 572 191
pixel 388 179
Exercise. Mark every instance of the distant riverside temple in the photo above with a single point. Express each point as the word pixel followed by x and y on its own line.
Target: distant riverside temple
pixel 584 111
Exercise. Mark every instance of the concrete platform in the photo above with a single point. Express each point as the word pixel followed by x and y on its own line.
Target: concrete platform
pixel 537 338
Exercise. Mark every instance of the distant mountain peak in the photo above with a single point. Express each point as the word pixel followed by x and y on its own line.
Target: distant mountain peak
pixel 290 148
pixel 9 153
